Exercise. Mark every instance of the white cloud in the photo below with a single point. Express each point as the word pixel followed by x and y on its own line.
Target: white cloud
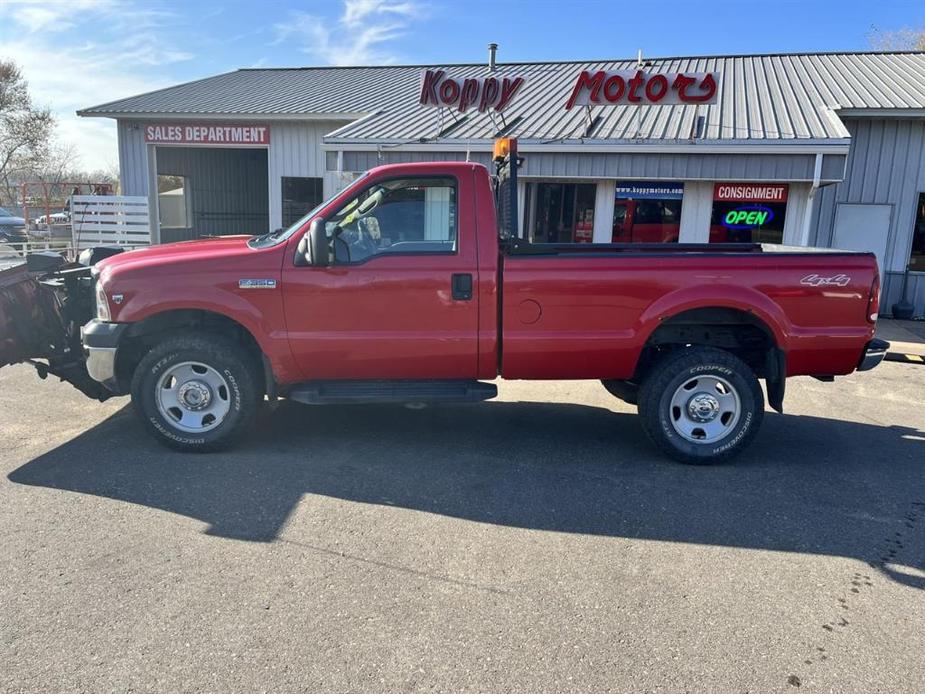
pixel 48 15
pixel 359 37
pixel 355 11
pixel 81 77
pixel 66 73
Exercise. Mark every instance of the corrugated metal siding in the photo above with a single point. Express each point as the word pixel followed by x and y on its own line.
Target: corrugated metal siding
pixel 696 212
pixel 363 161
pixel 833 167
pixel 295 150
pixel 762 97
pixel 893 291
pixel 133 159
pixel 886 165
pixel 706 167
pixel 228 189
pixel 736 167
pixel 797 199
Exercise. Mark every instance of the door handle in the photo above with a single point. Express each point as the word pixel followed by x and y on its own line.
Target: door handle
pixel 462 286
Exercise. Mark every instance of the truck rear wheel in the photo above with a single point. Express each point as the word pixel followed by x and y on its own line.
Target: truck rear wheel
pixel 701 405
pixel 196 393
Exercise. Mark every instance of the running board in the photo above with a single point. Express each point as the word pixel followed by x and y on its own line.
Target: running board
pixel 360 392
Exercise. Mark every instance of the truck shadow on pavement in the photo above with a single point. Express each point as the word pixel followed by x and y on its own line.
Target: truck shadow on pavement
pixel 808 485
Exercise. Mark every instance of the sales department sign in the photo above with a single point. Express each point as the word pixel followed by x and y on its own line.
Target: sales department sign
pixel 640 88
pixel 216 134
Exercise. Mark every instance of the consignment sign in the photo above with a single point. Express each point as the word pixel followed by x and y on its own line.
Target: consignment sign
pixel 750 192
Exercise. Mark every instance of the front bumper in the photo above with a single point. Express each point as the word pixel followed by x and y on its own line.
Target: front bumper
pixel 100 342
pixel 874 353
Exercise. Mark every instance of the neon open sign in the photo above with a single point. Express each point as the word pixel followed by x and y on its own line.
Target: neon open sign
pixel 748 217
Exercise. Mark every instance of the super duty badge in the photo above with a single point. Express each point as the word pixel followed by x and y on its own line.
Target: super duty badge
pixel 257 284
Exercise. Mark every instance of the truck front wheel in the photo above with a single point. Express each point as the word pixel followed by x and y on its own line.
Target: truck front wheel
pixel 701 405
pixel 627 391
pixel 196 393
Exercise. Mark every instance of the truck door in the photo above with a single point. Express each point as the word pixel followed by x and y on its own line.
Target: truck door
pixel 401 300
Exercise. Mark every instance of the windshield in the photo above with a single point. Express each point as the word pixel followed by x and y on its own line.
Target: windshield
pixel 280 235
pixel 4 213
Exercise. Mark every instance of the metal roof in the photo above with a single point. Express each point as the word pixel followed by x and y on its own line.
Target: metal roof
pixel 785 98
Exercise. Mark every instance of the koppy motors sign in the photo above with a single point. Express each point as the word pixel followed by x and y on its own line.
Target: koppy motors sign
pixel 600 88
pixel 482 93
pixel 639 88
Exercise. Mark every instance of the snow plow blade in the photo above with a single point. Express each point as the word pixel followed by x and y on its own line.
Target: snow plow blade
pixel 43 303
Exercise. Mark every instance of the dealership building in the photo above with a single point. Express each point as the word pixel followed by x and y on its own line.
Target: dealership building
pixel 822 149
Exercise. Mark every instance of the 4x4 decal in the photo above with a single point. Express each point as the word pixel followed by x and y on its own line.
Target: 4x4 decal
pixel 833 281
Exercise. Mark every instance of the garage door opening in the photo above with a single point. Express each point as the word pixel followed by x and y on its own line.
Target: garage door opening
pixel 211 192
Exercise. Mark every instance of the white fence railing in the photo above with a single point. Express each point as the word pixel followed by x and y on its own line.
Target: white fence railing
pixel 22 248
pixel 110 220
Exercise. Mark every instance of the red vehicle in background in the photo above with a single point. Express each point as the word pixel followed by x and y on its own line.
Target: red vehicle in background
pixel 646 221
pixel 658 221
pixel 412 285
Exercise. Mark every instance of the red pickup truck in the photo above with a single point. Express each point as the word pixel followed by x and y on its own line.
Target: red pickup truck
pixel 412 286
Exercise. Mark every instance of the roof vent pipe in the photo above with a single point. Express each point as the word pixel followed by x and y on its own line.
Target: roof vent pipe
pixel 492 54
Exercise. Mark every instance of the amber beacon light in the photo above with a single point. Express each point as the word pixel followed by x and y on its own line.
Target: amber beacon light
pixel 505 146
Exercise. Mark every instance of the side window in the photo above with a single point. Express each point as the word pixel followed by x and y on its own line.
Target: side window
pixel 404 215
pixel 648 212
pixel 917 257
pixel 299 196
pixel 672 212
pixel 173 201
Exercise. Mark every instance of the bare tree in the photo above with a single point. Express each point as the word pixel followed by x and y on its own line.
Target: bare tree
pixel 904 39
pixel 25 131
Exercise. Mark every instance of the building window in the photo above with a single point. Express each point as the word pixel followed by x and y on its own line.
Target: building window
pixel 917 257
pixel 560 212
pixel 647 211
pixel 173 201
pixel 300 195
pixel 748 213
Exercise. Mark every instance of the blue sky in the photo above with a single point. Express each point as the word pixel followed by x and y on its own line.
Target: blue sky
pixel 77 53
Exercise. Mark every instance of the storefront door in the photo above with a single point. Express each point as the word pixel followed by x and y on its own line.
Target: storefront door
pixel 647 212
pixel 560 212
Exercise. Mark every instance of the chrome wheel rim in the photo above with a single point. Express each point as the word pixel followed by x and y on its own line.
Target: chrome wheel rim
pixel 704 409
pixel 193 397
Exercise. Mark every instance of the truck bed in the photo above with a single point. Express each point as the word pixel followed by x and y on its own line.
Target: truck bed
pixel 584 311
pixel 520 247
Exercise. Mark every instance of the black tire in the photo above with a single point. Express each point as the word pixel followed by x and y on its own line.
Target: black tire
pixel 681 367
pixel 627 391
pixel 228 359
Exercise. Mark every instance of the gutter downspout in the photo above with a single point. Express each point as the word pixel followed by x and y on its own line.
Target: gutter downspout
pixel 808 211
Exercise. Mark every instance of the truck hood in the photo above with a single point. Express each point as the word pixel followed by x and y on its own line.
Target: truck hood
pixel 220 248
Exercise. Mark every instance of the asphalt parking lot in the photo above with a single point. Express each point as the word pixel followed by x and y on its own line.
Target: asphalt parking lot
pixel 533 544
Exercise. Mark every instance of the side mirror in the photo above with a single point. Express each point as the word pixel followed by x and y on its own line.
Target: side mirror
pixel 319 248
